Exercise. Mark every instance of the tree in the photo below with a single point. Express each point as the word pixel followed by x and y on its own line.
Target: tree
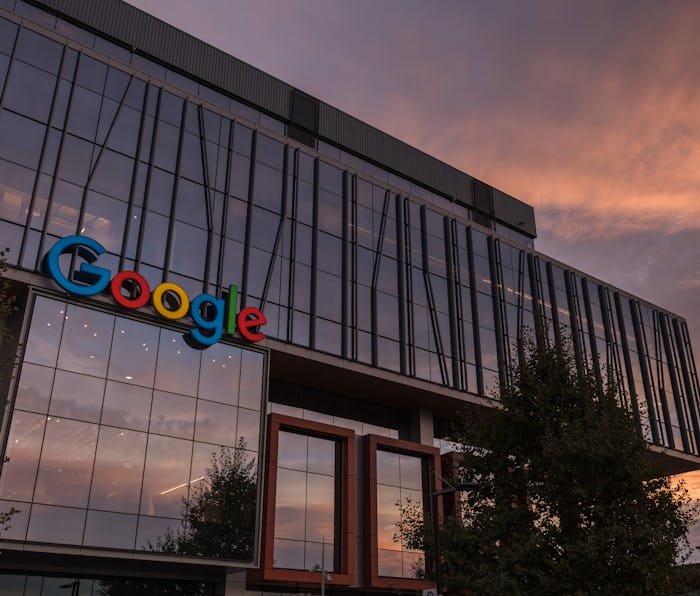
pixel 218 521
pixel 8 308
pixel 564 500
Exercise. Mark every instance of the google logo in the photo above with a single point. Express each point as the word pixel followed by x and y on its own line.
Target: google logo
pixel 210 314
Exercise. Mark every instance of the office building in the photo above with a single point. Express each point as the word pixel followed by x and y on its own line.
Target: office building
pixel 246 319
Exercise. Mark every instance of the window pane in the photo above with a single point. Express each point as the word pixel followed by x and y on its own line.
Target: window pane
pixel 218 381
pixel 411 472
pixel 66 462
pixel 110 530
pixel 189 250
pixel 34 388
pixel 178 364
pixel 23 448
pixel 252 364
pixel 29 91
pixel 172 415
pixel 248 428
pixel 38 50
pixel 134 352
pixel 77 396
pixel 289 554
pixel 166 476
pixel 116 482
pixel 321 456
pixel 56 524
pixel 216 423
pixel 21 140
pixel 292 451
pixel 113 175
pixel 388 502
pixel 320 507
pixel 87 337
pixel 126 406
pixel 290 506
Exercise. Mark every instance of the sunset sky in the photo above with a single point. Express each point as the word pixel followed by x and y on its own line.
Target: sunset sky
pixel 589 111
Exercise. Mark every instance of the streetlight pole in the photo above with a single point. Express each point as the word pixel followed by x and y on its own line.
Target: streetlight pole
pixel 323 567
pixel 436 525
pixel 325 576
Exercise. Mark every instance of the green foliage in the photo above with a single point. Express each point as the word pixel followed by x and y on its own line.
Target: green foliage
pixel 218 520
pixel 8 308
pixel 565 501
pixel 7 357
pixel 7 298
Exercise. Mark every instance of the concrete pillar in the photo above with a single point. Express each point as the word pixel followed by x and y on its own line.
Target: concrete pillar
pixel 420 426
pixel 234 585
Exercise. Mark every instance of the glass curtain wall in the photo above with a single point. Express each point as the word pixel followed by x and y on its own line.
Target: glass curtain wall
pixel 124 437
pixel 184 185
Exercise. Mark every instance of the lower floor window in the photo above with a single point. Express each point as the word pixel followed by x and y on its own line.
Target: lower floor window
pixel 309 515
pixel 401 476
pixel 306 514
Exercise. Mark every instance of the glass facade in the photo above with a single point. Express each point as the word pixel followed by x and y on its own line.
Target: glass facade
pixel 123 437
pixel 341 257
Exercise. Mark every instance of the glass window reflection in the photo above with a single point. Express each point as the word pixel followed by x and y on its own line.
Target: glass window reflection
pixel 93 451
pixel 216 423
pixel 399 484
pixel 126 406
pixel 61 525
pixel 23 449
pixel 86 340
pixel 220 371
pixel 66 462
pixel 165 479
pixel 77 396
pixel 34 389
pixel 119 461
pixel 305 509
pixel 134 352
pixel 178 364
pixel 172 415
pixel 110 530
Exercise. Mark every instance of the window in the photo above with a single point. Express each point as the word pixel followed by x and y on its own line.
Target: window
pixel 123 437
pixel 309 502
pixel 400 475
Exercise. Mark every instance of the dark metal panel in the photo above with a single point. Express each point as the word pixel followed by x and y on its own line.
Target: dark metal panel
pixel 151 37
pixel 372 143
pixel 514 213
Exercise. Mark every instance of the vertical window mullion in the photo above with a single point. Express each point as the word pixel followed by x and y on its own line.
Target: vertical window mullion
pixel 52 190
pixel 176 188
pixel 44 144
pixel 149 172
pixel 134 176
pixel 475 314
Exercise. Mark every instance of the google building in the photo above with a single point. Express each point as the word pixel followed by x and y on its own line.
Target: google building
pixel 246 321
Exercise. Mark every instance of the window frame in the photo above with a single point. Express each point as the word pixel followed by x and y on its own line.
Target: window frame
pixel 345 502
pixel 431 456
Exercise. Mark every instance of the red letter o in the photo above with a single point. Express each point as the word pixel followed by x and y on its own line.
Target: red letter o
pixel 142 296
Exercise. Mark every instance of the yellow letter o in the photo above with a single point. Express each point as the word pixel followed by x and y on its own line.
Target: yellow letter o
pixel 162 309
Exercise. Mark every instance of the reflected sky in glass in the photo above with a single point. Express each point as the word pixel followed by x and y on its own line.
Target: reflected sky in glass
pixel 86 445
pixel 399 484
pixel 305 506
